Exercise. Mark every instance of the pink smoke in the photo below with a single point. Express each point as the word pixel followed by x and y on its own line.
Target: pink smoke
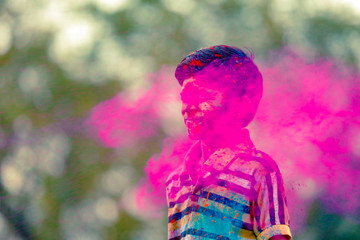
pixel 151 188
pixel 124 121
pixel 308 121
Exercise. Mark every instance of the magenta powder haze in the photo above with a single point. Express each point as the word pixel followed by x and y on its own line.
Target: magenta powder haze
pixel 308 121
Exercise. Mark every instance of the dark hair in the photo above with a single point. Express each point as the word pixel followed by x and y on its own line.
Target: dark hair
pixel 234 66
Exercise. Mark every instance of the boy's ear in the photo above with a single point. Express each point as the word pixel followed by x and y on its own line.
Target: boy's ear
pixel 246 99
pixel 251 103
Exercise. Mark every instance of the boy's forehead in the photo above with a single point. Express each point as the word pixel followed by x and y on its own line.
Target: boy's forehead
pixel 191 83
pixel 193 89
pixel 188 83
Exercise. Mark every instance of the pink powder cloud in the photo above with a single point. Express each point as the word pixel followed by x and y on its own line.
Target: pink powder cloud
pixel 123 121
pixel 308 121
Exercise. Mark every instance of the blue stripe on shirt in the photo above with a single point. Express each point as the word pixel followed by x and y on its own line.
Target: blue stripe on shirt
pixel 271 199
pixel 200 233
pixel 226 201
pixel 210 213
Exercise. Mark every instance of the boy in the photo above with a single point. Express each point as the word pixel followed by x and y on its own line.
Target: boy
pixel 226 189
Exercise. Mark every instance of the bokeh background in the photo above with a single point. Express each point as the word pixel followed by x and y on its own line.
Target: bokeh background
pixel 59 59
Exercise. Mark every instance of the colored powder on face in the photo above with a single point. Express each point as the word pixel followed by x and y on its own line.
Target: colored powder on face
pixel 307 121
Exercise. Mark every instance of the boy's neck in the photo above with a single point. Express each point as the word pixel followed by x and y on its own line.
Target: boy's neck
pixel 211 144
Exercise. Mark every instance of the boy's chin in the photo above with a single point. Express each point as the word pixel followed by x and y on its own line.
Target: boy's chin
pixel 196 134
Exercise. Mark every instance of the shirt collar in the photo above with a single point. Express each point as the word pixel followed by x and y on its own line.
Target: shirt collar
pixel 221 158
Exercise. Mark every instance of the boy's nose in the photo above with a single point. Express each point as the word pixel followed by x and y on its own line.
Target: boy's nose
pixel 189 110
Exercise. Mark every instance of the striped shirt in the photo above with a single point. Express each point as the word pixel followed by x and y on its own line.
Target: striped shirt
pixel 235 194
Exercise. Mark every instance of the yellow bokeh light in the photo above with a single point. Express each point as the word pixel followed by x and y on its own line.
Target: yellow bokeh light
pixel 5 38
pixel 106 210
pixel 111 6
pixel 12 178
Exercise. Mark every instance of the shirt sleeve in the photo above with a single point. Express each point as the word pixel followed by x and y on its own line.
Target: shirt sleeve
pixel 271 216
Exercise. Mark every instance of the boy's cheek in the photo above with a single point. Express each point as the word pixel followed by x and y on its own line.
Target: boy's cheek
pixel 204 106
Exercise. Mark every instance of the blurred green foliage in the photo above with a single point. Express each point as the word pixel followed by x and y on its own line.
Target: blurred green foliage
pixel 58 59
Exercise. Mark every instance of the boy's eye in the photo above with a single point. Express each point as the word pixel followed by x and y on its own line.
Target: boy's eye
pixel 195 94
pixel 197 97
pixel 207 96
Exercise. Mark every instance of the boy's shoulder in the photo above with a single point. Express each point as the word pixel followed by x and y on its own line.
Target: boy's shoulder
pixel 255 161
pixel 178 171
pixel 175 175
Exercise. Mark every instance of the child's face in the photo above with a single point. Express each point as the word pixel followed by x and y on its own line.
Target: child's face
pixel 201 107
pixel 210 112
